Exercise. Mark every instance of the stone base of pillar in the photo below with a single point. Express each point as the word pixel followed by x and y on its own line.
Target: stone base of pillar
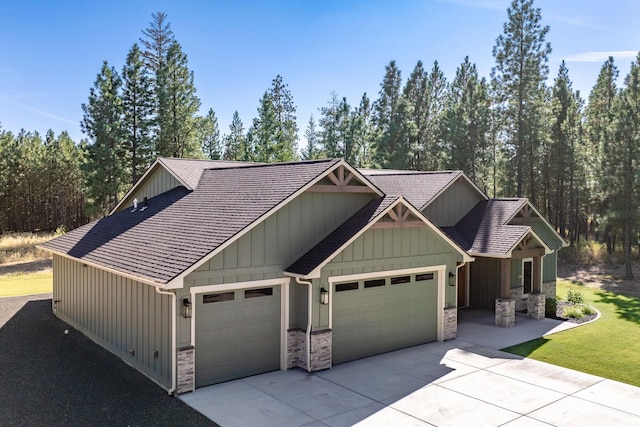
pixel 186 369
pixel 505 313
pixel 536 306
pixel 320 349
pixel 450 327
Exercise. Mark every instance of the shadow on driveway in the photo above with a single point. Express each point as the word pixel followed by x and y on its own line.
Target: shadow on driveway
pixel 49 378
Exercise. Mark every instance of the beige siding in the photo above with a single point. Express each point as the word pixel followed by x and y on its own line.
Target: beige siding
pixel 452 205
pixel 118 313
pixel 157 182
pixel 274 244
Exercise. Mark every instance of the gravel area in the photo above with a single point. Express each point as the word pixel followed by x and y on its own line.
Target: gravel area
pixel 53 379
pixel 561 305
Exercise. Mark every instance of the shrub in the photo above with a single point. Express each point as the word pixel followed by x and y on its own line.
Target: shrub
pixel 550 307
pixel 573 312
pixel 574 296
pixel 588 311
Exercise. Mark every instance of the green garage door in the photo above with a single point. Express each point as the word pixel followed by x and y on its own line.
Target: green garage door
pixel 383 314
pixel 237 334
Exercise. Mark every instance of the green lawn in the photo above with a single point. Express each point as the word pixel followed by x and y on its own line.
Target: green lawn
pixel 12 285
pixel 608 347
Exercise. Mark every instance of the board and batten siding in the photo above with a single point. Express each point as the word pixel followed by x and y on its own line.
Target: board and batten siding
pixel 275 243
pixel 452 205
pixel 158 182
pixel 118 313
pixel 379 250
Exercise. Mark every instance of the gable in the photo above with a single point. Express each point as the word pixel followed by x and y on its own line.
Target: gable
pixel 159 181
pixel 450 206
pixel 385 214
pixel 530 216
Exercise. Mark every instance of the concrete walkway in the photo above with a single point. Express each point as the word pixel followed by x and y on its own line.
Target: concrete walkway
pixel 462 382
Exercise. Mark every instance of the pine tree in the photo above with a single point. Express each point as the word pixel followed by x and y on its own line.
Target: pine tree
pixel 600 116
pixel 236 146
pixel 285 119
pixel 466 124
pixel 104 169
pixel 178 105
pixel 622 159
pixel 434 105
pixel 137 120
pixel 362 133
pixel 264 132
pixel 559 173
pixel 156 42
pixel 329 128
pixel 392 150
pixel 209 134
pixel 521 69
pixel 312 150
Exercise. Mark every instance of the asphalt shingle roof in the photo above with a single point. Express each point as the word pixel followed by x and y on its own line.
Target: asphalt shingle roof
pixel 484 230
pixel 180 227
pixel 325 248
pixel 190 171
pixel 419 188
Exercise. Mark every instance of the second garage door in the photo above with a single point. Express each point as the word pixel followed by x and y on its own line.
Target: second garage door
pixel 383 314
pixel 237 334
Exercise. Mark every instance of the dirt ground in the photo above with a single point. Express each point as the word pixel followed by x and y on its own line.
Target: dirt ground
pixel 41 265
pixel 606 278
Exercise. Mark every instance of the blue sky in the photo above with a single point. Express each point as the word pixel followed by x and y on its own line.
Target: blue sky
pixel 52 51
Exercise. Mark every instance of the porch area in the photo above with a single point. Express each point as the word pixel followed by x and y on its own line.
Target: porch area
pixel 477 326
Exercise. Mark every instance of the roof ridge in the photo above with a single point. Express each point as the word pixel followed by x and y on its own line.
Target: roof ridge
pixel 251 165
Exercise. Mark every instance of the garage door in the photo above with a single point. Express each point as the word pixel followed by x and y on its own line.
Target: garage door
pixel 383 314
pixel 237 334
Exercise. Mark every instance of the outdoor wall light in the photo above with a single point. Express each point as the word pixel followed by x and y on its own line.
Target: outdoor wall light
pixel 324 296
pixel 452 277
pixel 186 308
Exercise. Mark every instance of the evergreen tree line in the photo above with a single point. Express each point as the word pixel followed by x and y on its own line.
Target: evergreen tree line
pixel 511 132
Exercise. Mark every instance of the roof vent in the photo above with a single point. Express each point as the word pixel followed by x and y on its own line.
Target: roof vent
pixel 145 204
pixel 135 205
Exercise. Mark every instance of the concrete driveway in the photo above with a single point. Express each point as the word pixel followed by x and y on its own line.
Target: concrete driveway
pixel 453 383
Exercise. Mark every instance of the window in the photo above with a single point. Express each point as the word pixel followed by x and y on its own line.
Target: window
pixel 257 293
pixel 374 283
pixel 347 287
pixel 401 279
pixel 527 275
pixel 425 276
pixel 225 296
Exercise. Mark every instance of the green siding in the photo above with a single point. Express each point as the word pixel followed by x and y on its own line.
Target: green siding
pixel 452 205
pixel 157 182
pixel 118 313
pixel 484 283
pixel 384 250
pixel 274 244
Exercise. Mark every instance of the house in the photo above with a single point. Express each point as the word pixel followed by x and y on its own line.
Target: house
pixel 207 271
pixel 514 246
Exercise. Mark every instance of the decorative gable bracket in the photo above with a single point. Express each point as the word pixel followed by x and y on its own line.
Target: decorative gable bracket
pixel 398 217
pixel 340 180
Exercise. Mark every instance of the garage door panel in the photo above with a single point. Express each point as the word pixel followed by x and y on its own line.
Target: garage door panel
pixel 375 320
pixel 237 338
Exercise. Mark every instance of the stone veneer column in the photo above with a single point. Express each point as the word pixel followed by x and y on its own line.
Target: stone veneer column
pixel 450 327
pixel 505 313
pixel 536 306
pixel 296 357
pixel 321 350
pixel 186 369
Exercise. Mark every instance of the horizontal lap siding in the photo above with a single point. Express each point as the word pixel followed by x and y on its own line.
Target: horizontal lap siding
pixel 118 313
